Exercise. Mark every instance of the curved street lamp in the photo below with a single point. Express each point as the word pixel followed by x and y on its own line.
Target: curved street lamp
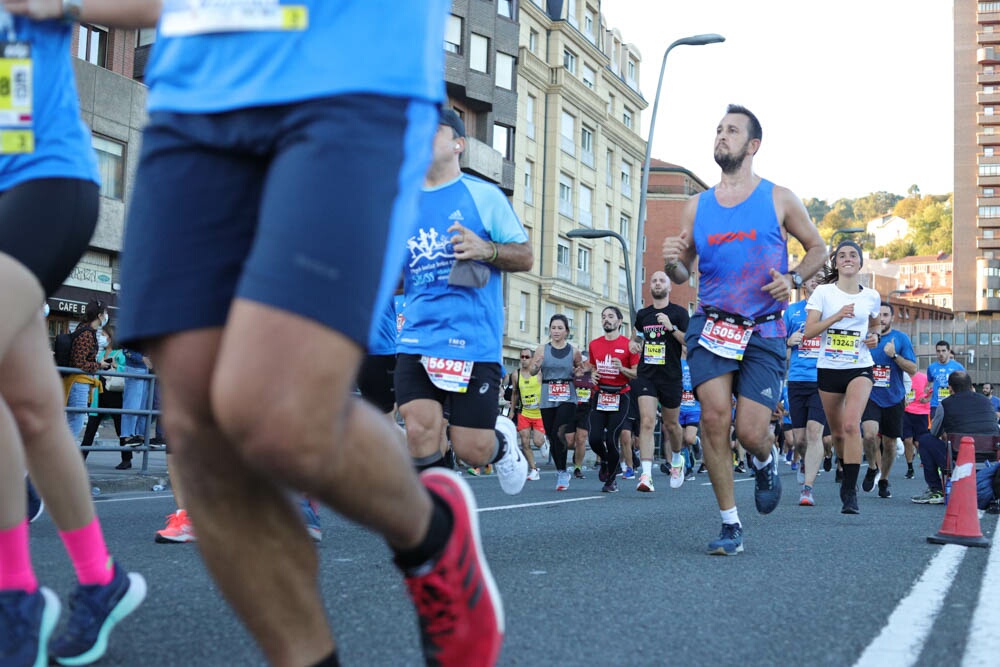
pixel 693 40
pixel 600 234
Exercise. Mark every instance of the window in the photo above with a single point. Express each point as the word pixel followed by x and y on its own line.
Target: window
pixel 626 179
pixel 110 165
pixel 529 111
pixel 988 192
pixel 145 36
pixel 960 339
pixel 571 13
pixel 608 169
pixel 587 146
pixel 630 70
pixel 522 324
pixel 562 260
pixel 586 201
pixel 479 53
pixel 607 218
pixel 611 104
pixel 505 71
pixel 567 130
pixel 622 285
pixel 503 140
pixel 583 260
pixel 987 234
pixel 627 117
pixel 925 338
pixel 988 151
pixel 589 76
pixel 989 211
pixel 453 34
pixel 92 45
pixel 569 61
pixel 533 41
pixel 528 170
pixel 587 315
pixel 588 24
pixel 624 225
pixel 988 111
pixel 606 288
pixel 505 8
pixel 566 195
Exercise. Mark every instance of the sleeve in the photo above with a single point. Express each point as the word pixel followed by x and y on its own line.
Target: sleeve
pixel 633 358
pixel 906 349
pixel 84 352
pixel 815 301
pixel 876 304
pixel 498 217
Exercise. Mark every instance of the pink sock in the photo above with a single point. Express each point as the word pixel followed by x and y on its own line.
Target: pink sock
pixel 16 572
pixel 89 554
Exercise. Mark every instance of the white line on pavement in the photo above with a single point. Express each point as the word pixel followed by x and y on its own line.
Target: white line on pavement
pixel 983 646
pixel 737 481
pixel 902 639
pixel 547 502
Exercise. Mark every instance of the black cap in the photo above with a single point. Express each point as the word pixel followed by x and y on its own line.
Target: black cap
pixel 451 119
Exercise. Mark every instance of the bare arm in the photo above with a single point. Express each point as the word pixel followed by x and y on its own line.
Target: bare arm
pixel 536 360
pixel 816 326
pixel 118 13
pixel 909 367
pixel 679 251
pixel 504 256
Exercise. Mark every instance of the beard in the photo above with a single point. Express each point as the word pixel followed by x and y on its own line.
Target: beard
pixel 608 326
pixel 658 293
pixel 731 163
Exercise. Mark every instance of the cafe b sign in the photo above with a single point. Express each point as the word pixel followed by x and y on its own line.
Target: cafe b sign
pixel 90 276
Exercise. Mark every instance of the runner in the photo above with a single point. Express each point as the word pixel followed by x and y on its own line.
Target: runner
pixel 916 417
pixel 939 370
pixel 525 399
pixel 584 382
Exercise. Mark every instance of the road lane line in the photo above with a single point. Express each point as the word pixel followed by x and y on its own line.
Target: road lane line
pixel 547 502
pixel 902 639
pixel 983 646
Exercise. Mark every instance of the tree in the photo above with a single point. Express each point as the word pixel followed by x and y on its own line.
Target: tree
pixel 874 205
pixel 930 227
pixel 898 249
pixel 817 208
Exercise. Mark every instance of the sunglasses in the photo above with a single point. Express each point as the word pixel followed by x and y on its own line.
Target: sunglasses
pixel 523 357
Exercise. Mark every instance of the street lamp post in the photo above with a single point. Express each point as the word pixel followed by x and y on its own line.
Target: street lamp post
pixel 845 231
pixel 694 40
pixel 602 233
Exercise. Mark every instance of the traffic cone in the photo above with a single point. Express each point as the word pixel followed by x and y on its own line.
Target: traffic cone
pixel 961 517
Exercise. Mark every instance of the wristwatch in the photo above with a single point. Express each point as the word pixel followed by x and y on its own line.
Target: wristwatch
pixel 71 10
pixel 796 279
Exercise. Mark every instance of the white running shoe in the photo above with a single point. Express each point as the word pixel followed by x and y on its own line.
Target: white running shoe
pixel 533 475
pixel 562 480
pixel 646 484
pixel 676 475
pixel 512 469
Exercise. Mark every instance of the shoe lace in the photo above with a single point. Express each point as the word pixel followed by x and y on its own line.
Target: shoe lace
pixel 730 531
pixel 84 611
pixel 436 606
pixel 765 480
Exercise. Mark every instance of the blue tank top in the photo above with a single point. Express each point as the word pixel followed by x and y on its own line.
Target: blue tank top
pixel 63 147
pixel 737 246
pixel 383 47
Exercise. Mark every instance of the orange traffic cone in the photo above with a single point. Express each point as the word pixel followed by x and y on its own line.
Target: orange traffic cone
pixel 961 518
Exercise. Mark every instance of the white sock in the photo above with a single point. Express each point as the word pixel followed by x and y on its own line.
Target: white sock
pixel 678 460
pixel 730 515
pixel 647 467
pixel 760 465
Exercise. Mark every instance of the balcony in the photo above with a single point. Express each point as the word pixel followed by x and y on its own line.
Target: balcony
pixel 583 280
pixel 987 119
pixel 987 98
pixel 563 271
pixel 587 158
pixel 988 38
pixel 586 218
pixel 988 181
pixel 983 139
pixel 567 145
pixel 566 208
pixel 987 78
pixel 987 55
pixel 988 18
pixel 987 244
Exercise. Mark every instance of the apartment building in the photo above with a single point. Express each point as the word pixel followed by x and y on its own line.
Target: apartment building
pixel 578 161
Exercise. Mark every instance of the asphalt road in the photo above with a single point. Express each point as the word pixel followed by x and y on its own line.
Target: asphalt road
pixel 595 579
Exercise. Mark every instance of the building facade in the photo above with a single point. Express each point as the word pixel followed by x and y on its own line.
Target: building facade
pixel 578 160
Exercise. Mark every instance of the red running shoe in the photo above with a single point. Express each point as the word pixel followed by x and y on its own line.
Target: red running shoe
pixel 457 601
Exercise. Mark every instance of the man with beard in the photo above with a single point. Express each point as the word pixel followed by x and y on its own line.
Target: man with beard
pixel 737 231
pixel 893 356
pixel 659 330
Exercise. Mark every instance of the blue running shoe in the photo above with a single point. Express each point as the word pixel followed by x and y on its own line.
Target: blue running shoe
pixel 767 488
pixel 729 542
pixel 310 517
pixel 94 611
pixel 26 621
pixel 628 474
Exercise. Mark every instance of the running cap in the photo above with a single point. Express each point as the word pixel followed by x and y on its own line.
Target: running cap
pixel 451 119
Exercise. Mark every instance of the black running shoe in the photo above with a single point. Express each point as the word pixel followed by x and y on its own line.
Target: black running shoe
pixel 850 499
pixel 869 482
pixel 827 463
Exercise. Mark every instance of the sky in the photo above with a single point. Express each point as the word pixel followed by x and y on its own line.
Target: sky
pixel 854 96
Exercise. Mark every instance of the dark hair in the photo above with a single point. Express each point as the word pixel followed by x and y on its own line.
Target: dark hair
pixel 562 318
pixel 886 304
pixel 94 310
pixel 615 309
pixel 753 125
pixel 960 381
pixel 829 274
pixel 946 344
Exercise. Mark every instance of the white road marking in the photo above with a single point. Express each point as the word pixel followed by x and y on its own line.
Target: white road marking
pixel 547 502
pixel 737 481
pixel 902 639
pixel 983 646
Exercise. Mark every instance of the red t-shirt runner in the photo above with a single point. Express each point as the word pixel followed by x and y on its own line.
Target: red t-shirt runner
pixel 602 351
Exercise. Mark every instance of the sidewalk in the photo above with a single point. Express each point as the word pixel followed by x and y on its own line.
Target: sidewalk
pixel 101 468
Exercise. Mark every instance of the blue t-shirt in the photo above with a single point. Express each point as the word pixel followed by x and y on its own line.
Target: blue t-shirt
pixel 689 404
pixel 447 321
pixel 938 375
pixel 996 403
pixel 63 147
pixel 802 366
pixel 787 417
pixel 383 332
pixel 383 47
pixel 737 247
pixel 890 385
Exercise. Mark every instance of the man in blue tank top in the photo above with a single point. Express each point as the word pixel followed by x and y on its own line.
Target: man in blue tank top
pixel 737 231
pixel 278 181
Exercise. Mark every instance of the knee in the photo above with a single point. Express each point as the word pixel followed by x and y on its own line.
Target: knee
pixel 34 415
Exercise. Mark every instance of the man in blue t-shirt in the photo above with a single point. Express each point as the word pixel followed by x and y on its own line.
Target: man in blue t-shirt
pixel 892 356
pixel 450 347
pixel 938 372
pixel 988 393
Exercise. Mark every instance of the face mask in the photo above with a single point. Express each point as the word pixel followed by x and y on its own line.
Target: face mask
pixel 45 310
pixel 102 339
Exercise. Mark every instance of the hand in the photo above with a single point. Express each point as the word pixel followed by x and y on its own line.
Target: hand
pixel 106 365
pixel 617 363
pixel 871 340
pixel 468 244
pixel 890 349
pixel 846 311
pixel 795 338
pixel 36 9
pixel 780 287
pixel 664 321
pixel 674 248
pixel 634 346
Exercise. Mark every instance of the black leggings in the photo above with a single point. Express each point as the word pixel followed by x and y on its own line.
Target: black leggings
pixel 46 225
pixel 605 427
pixel 106 399
pixel 553 419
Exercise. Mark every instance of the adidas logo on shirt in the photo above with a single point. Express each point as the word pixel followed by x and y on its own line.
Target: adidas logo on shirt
pixel 456 215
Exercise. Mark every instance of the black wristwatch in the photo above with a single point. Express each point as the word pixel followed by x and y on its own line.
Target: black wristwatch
pixel 796 279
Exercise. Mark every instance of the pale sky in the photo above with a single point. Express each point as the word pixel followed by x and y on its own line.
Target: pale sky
pixel 854 96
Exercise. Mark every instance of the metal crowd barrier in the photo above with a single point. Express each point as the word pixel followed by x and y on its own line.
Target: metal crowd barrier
pixel 145 448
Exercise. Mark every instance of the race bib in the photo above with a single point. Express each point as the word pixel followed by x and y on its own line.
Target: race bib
pixel 726 335
pixel 17 134
pixel 881 375
pixel 582 394
pixel 448 374
pixel 809 348
pixel 608 402
pixel 842 345
pixel 197 17
pixel 910 396
pixel 654 354
pixel 687 399
pixel 558 392
pixel 943 393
